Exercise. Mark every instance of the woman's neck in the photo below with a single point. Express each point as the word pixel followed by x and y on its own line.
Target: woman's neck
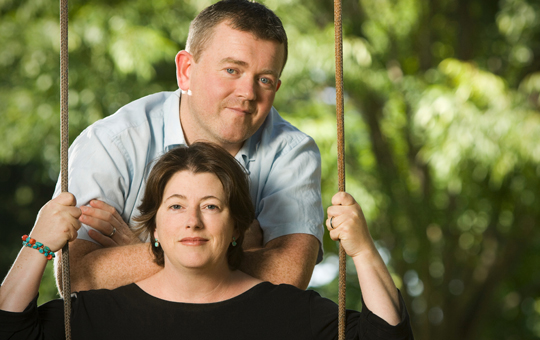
pixel 197 285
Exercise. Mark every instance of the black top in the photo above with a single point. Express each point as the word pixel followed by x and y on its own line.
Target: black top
pixel 265 311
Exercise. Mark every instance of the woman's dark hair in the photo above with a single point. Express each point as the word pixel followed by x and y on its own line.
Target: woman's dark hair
pixel 199 158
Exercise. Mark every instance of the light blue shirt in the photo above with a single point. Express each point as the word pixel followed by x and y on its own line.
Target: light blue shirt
pixel 111 160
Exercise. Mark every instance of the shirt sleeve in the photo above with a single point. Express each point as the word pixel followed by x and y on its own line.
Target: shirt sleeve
pixel 45 322
pixel 98 169
pixel 291 200
pixel 359 325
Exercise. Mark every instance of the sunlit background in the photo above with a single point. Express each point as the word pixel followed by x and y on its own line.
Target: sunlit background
pixel 442 106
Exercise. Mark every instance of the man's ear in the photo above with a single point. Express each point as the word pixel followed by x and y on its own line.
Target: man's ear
pixel 278 85
pixel 183 67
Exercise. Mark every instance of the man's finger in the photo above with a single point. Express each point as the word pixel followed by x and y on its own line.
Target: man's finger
pixel 96 223
pixel 102 205
pixel 102 239
pixel 105 212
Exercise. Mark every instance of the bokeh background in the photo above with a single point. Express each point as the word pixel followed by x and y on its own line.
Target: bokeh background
pixel 442 102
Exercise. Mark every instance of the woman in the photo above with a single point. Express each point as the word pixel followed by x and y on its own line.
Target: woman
pixel 196 209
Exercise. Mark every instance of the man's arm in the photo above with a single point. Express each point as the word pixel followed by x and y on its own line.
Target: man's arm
pixel 289 209
pixel 116 261
pixel 95 267
pixel 286 259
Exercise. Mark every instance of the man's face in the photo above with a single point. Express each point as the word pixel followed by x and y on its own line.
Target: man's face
pixel 232 86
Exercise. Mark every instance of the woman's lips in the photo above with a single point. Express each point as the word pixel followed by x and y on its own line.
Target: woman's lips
pixel 193 241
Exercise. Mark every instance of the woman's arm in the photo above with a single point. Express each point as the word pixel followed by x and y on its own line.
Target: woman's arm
pixel 349 226
pixel 57 223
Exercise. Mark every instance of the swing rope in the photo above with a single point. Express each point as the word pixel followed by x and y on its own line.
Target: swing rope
pixel 341 157
pixel 64 144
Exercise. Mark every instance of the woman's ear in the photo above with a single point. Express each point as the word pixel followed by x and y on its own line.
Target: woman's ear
pixel 183 60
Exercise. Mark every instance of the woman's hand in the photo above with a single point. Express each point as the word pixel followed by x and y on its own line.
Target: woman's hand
pixel 347 224
pixel 57 222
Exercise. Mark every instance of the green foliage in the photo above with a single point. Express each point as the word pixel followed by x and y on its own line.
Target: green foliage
pixel 442 102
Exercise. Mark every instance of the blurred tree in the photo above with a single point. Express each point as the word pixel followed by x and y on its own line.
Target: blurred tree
pixel 445 159
pixel 442 132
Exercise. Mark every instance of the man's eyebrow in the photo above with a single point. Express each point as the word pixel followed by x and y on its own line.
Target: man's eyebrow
pixel 233 61
pixel 243 63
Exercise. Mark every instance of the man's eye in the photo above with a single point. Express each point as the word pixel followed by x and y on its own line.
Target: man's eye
pixel 230 71
pixel 266 81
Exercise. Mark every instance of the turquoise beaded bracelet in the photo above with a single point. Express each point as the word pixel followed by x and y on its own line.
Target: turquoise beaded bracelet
pixel 30 242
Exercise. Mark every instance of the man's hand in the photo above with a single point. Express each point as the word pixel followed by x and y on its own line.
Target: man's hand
pixel 253 238
pixel 120 259
pixel 113 231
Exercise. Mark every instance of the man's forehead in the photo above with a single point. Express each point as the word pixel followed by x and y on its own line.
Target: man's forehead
pixel 225 26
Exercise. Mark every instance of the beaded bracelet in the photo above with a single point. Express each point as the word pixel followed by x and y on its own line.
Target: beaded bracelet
pixel 30 242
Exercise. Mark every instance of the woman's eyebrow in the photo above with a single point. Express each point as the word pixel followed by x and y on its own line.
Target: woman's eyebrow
pixel 175 196
pixel 184 197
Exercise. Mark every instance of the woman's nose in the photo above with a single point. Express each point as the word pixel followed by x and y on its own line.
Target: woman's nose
pixel 194 219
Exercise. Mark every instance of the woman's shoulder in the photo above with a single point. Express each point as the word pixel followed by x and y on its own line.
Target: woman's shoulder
pixel 101 296
pixel 283 294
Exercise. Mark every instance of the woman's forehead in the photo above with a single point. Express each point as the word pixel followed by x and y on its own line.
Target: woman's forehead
pixel 194 185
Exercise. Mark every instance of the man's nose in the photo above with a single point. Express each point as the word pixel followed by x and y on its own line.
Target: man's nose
pixel 247 88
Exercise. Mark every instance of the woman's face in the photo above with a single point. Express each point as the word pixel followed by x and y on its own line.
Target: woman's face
pixel 193 223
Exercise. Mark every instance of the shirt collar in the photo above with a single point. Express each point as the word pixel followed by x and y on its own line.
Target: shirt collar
pixel 248 151
pixel 243 155
pixel 174 135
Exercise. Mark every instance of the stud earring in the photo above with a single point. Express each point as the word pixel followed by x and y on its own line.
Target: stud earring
pixel 234 242
pixel 156 244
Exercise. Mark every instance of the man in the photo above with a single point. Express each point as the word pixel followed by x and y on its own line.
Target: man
pixel 228 77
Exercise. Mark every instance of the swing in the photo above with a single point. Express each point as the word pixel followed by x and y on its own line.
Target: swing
pixel 64 144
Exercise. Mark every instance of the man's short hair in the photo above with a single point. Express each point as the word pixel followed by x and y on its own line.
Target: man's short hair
pixel 242 15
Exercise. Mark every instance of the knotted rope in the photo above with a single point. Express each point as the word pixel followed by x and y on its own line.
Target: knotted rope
pixel 341 158
pixel 64 144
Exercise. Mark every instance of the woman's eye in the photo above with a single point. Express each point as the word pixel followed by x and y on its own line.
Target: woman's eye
pixel 211 207
pixel 176 206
